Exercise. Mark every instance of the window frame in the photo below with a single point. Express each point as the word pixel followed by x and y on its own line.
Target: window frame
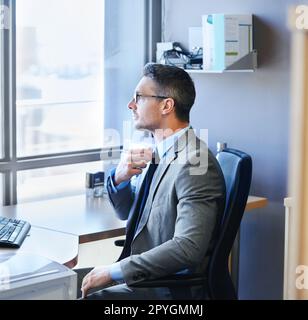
pixel 10 164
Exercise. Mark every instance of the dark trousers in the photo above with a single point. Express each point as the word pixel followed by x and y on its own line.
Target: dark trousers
pixel 120 291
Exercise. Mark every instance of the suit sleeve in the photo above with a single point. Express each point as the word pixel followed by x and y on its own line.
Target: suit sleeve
pixel 201 200
pixel 121 197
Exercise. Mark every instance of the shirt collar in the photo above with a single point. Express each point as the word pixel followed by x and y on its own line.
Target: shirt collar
pixel 163 146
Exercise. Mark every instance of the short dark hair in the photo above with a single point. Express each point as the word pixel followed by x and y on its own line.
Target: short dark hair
pixel 175 83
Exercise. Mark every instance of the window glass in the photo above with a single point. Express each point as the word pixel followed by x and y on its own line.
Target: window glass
pixel 3 26
pixel 59 75
pixel 54 182
pixel 1 189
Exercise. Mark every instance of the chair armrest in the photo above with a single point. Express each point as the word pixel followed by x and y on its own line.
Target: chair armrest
pixel 119 243
pixel 176 280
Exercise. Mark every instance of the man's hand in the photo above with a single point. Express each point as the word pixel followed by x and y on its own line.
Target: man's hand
pixel 132 162
pixel 97 277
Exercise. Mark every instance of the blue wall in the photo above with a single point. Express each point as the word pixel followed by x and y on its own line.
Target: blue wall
pixel 249 111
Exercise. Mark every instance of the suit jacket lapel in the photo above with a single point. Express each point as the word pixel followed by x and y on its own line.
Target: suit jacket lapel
pixel 170 156
pixel 164 164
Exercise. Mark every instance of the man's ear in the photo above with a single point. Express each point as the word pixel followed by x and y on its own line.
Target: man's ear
pixel 168 106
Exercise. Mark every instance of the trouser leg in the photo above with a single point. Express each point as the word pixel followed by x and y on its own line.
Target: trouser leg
pixel 123 292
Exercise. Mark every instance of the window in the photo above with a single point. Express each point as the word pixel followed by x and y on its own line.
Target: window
pixel 68 69
pixel 59 75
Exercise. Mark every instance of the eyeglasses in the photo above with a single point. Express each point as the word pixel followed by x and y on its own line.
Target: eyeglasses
pixel 138 95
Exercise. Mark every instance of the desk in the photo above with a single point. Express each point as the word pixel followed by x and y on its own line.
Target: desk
pixel 90 219
pixel 255 203
pixel 87 220
pixel 54 245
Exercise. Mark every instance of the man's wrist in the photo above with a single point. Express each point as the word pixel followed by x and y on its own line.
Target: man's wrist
pixel 113 187
pixel 108 275
pixel 115 271
pixel 116 180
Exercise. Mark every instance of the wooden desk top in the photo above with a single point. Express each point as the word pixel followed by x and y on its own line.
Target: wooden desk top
pixel 89 219
pixel 54 245
pixel 254 202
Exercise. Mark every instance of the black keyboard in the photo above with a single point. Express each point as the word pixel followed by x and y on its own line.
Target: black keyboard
pixel 13 232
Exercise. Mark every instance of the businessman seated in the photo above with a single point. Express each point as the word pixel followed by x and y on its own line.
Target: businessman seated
pixel 172 197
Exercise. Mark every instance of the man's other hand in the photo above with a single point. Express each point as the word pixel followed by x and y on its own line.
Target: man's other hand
pixel 99 276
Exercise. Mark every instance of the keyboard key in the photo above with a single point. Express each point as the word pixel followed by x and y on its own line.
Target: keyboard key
pixel 14 234
pixel 4 231
pixel 5 237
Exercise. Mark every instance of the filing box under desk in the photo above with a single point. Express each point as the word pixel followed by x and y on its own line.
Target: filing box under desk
pixel 26 276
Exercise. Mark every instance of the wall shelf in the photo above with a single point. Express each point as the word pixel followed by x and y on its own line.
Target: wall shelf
pixel 217 71
pixel 248 63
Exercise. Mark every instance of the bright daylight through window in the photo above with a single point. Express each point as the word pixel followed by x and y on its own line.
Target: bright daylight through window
pixel 54 182
pixel 59 76
pixel 1 93
pixel 68 69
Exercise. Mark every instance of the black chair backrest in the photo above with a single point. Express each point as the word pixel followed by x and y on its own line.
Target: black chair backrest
pixel 237 170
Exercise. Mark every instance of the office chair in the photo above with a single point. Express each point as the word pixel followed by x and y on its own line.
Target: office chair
pixel 237 170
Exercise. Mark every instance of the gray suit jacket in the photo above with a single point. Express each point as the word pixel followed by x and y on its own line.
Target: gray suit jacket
pixel 185 202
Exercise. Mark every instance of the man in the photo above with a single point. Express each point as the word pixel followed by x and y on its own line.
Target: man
pixel 171 206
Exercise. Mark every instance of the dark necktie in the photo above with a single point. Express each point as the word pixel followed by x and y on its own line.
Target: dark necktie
pixel 143 195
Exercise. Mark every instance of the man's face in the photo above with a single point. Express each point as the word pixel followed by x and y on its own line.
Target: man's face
pixel 146 110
